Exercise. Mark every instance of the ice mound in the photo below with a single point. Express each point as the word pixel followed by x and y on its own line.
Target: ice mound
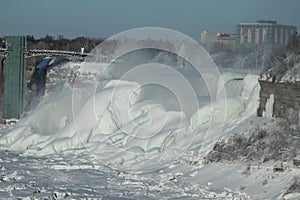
pixel 118 125
pixel 216 120
pixel 242 99
pixel 112 118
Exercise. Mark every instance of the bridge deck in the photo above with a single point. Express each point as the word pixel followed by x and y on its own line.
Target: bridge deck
pixel 38 52
pixel 35 52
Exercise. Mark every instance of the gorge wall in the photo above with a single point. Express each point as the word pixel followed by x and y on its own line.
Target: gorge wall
pixel 285 97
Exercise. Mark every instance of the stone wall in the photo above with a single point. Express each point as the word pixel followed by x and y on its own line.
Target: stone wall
pixel 286 100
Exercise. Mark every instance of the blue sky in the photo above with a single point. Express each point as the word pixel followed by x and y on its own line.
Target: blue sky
pixel 103 18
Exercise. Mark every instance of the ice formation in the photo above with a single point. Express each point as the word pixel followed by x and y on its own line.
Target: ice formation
pixel 118 127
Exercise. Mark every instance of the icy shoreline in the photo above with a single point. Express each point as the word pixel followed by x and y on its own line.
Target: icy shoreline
pixel 68 176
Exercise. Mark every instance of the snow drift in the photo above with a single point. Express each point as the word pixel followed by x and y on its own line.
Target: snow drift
pixel 275 140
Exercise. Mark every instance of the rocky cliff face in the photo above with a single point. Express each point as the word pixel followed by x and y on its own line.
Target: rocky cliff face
pixel 282 97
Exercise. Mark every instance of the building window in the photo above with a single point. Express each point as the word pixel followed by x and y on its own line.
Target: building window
pixel 249 35
pixel 242 36
pixel 281 36
pixel 264 35
pixel 286 36
pixel 257 35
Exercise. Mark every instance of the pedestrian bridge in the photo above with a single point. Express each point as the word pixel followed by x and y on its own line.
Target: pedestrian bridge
pixel 13 72
pixel 47 52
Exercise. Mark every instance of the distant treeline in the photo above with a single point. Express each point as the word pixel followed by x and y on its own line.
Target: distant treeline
pixel 62 43
pixel 59 43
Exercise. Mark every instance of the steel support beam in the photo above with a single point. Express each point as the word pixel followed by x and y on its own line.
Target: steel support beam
pixel 14 77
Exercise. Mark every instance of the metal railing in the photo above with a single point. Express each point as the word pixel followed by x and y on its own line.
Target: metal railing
pixel 45 52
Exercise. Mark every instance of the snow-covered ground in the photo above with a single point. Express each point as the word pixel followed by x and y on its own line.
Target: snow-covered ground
pixel 117 139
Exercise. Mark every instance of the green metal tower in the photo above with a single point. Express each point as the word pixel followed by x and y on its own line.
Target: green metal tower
pixel 14 77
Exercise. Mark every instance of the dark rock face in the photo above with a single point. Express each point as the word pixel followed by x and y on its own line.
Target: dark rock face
pixel 286 99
